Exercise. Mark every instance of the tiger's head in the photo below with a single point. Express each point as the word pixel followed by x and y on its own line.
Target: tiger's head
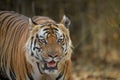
pixel 49 45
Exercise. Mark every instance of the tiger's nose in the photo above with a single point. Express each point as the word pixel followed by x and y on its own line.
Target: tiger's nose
pixel 53 55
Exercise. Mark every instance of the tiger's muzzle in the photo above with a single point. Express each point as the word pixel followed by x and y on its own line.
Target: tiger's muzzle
pixel 51 63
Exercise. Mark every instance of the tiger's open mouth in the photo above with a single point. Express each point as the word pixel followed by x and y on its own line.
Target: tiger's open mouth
pixel 52 65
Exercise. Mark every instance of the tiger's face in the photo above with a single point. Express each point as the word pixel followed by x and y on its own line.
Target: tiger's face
pixel 49 45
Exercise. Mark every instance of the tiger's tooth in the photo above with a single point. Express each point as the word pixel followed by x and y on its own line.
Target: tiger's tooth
pixel 51 65
pixel 48 65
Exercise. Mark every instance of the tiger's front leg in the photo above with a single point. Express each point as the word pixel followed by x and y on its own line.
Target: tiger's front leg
pixel 68 70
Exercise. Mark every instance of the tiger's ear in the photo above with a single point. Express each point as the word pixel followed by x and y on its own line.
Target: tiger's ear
pixel 66 21
pixel 31 24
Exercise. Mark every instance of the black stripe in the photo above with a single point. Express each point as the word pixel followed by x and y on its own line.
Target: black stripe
pixel 33 22
pixel 3 12
pixel 13 36
pixel 65 54
pixel 30 76
pixel 32 54
pixel 62 74
pixel 59 76
pixel 36 57
pixel 55 29
pixel 4 20
pixel 55 25
pixel 6 39
pixel 39 68
pixel 65 47
pixel 3 66
pixel 41 37
pixel 13 22
pixel 12 76
pixel 46 29
pixel 34 45
pixel 37 48
pixel 3 69
pixel 46 32
pixel 9 22
pixel 42 26
pixel 48 24
pixel 37 36
pixel 31 42
pixel 65 71
pixel 50 28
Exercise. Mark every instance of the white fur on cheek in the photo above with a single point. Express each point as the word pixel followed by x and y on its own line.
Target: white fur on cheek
pixel 41 33
pixel 29 51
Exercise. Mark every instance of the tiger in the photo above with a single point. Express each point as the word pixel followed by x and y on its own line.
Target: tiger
pixel 36 48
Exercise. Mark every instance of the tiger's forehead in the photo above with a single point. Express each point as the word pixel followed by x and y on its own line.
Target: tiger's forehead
pixel 40 27
pixel 45 29
pixel 57 29
pixel 48 25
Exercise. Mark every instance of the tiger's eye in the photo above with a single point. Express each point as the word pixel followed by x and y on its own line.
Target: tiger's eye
pixel 43 41
pixel 60 40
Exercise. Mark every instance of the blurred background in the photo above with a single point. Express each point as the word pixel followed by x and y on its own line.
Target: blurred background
pixel 95 32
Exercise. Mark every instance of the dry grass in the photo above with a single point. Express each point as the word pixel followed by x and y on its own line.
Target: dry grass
pixel 85 69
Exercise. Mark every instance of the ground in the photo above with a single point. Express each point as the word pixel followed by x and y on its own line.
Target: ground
pixel 86 69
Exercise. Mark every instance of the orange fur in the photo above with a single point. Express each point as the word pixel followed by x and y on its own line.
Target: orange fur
pixel 15 34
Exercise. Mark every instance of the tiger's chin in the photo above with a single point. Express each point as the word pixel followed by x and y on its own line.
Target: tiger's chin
pixel 51 67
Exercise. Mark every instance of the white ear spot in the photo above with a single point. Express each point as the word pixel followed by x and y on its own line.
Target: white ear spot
pixel 66 21
pixel 30 24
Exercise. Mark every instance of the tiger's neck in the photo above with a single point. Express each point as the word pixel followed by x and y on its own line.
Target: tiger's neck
pixel 39 75
pixel 65 73
pixel 36 72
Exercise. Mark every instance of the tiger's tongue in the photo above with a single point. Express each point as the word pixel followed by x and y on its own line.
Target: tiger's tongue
pixel 51 64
